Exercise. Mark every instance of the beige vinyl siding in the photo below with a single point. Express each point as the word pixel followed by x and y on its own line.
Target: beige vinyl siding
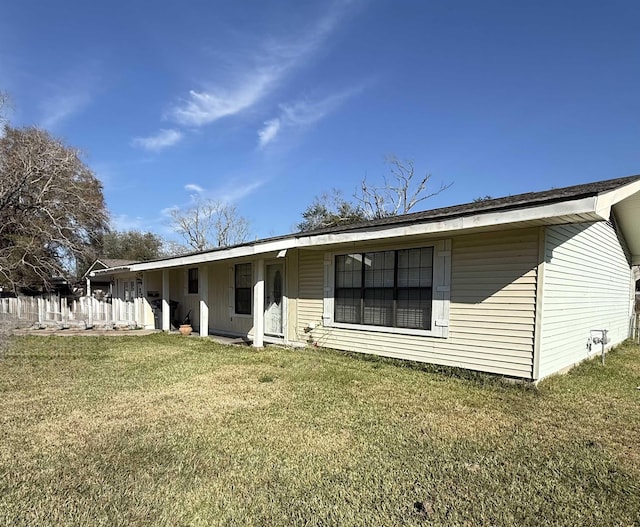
pixel 291 292
pixel 492 308
pixel 221 316
pixel 186 302
pixel 587 286
pixel 310 292
pixel 152 282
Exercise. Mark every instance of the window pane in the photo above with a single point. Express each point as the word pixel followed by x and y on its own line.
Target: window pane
pixel 347 306
pixel 378 269
pixel 378 307
pixel 243 275
pixel 243 301
pixel 414 308
pixel 348 270
pixel 415 267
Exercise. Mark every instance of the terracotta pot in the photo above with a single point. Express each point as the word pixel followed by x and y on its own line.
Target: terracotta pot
pixel 185 329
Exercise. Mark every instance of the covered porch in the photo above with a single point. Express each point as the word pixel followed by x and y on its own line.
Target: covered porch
pixel 245 298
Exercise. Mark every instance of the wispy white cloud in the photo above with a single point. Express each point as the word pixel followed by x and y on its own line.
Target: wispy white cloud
pixel 269 132
pixel 168 210
pixel 124 222
pixel 231 192
pixel 258 74
pixel 238 190
pixel 206 107
pixel 302 114
pixel 154 143
pixel 58 108
pixel 71 92
pixel 192 187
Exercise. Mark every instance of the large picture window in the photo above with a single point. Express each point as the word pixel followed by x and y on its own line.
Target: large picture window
pixel 385 288
pixel 243 288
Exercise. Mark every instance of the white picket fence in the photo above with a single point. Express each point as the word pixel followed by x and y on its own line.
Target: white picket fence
pixel 56 311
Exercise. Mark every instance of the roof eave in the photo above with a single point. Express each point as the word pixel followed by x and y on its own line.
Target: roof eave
pixel 109 271
pixel 569 211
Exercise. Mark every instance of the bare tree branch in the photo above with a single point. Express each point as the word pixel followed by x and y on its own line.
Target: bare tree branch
pixel 208 224
pixel 52 210
pixel 399 194
pixel 4 104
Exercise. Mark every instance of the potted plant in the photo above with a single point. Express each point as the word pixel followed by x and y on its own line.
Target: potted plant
pixel 185 327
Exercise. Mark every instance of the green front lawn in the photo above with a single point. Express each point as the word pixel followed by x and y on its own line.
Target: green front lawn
pixel 172 431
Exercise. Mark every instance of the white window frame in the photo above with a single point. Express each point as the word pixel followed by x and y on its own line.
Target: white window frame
pixel 441 291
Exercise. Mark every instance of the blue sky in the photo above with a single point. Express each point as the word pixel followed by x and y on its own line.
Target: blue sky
pixel 269 103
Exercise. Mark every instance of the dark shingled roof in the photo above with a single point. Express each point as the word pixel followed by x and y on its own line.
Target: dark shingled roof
pixel 116 262
pixel 518 201
pixel 490 205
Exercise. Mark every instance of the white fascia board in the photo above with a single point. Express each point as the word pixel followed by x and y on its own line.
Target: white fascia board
pixel 565 208
pixel 216 256
pixel 89 272
pixel 606 200
pixel 111 270
pixel 583 206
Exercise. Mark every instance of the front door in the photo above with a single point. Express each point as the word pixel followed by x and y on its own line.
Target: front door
pixel 274 299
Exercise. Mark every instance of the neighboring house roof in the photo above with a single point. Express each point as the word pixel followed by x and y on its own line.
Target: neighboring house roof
pixel 108 263
pixel 115 262
pixel 580 203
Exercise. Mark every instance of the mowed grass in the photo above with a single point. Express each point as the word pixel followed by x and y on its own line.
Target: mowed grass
pixel 172 431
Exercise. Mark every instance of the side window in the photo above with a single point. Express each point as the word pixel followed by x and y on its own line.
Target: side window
pixel 243 288
pixel 193 281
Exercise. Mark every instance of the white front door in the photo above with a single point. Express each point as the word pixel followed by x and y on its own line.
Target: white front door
pixel 274 299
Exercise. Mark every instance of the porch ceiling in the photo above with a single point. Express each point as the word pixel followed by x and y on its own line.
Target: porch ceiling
pixel 627 215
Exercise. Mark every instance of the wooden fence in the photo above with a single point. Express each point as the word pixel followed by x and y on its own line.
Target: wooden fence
pixel 62 312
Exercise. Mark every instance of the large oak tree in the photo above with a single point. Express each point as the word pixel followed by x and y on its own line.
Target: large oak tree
pixel 52 210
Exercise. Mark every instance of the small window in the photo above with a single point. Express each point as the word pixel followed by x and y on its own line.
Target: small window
pixel 243 288
pixel 193 281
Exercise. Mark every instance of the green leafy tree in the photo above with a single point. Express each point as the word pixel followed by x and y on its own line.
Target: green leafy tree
pixel 330 210
pixel 132 245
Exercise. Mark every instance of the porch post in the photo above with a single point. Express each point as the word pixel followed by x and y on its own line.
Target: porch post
pixel 115 291
pixel 90 311
pixel 145 306
pixel 40 302
pixel 258 306
pixel 166 314
pixel 203 286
